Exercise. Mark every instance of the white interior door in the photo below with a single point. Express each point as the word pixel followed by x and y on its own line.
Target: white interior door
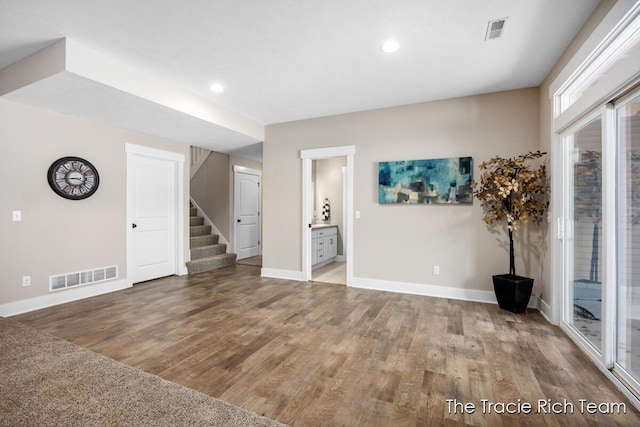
pixel 152 186
pixel 247 212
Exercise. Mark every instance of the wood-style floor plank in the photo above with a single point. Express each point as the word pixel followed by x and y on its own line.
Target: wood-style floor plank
pixel 324 354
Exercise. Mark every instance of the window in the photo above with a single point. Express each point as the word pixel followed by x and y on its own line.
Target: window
pixel 596 201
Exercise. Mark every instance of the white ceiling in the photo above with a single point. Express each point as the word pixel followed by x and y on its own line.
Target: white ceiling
pixel 285 60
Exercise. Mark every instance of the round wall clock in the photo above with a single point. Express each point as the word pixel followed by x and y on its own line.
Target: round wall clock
pixel 73 178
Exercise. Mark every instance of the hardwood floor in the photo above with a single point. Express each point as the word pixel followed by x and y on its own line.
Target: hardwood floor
pixel 320 354
pixel 336 273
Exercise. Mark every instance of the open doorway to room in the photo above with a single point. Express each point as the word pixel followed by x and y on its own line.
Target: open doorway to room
pixel 328 182
pixel 327 214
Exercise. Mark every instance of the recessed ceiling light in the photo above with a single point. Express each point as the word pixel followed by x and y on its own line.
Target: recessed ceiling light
pixel 217 88
pixel 390 46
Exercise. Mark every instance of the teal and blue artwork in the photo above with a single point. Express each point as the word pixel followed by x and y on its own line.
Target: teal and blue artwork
pixel 431 181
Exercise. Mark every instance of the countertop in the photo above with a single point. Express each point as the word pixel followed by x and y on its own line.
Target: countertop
pixel 314 226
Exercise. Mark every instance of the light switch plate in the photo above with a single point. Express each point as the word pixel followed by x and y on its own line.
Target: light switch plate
pixel 17 215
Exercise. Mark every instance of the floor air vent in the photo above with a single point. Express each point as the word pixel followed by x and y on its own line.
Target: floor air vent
pixel 71 280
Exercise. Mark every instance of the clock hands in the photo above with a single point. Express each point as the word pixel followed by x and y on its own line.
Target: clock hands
pixel 75 178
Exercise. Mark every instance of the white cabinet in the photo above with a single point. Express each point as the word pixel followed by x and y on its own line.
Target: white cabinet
pixel 314 250
pixel 324 245
pixel 331 245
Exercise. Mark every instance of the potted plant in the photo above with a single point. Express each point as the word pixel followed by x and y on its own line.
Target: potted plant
pixel 513 192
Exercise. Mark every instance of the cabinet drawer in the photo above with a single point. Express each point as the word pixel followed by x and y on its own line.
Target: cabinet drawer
pixel 322 232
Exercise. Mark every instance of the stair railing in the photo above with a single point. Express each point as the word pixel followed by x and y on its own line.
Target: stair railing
pixel 198 157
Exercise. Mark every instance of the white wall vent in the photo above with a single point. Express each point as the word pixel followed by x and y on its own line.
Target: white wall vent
pixel 79 278
pixel 495 29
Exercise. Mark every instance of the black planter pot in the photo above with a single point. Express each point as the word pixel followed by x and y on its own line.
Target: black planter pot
pixel 513 292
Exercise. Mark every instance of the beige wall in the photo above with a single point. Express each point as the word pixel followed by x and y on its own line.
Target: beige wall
pixel 402 243
pixel 57 235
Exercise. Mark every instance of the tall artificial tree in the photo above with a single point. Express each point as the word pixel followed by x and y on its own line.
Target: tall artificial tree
pixel 513 192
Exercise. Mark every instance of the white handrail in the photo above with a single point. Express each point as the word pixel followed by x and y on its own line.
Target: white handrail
pixel 198 157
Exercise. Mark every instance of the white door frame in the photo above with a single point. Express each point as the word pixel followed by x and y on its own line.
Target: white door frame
pixel 307 157
pixel 236 201
pixel 178 159
pixel 343 257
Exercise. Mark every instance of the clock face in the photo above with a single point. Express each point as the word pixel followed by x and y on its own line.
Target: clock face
pixel 73 178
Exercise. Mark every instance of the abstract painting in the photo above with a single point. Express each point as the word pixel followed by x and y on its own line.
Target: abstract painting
pixel 431 181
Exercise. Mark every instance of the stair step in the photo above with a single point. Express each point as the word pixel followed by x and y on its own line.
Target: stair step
pixel 196 220
pixel 193 211
pixel 199 230
pixel 210 239
pixel 208 251
pixel 210 263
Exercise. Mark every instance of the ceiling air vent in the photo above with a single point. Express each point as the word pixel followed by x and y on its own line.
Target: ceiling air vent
pixel 495 29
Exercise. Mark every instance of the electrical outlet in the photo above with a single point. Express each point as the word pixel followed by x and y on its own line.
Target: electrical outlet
pixel 26 280
pixel 357 214
pixel 436 270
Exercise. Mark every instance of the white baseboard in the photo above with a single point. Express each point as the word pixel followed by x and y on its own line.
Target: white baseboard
pixel 61 297
pixel 407 288
pixel 534 302
pixel 545 309
pixel 432 291
pixel 281 274
pixel 341 258
pixel 424 290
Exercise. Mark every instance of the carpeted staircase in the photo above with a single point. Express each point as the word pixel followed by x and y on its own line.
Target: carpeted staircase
pixel 206 253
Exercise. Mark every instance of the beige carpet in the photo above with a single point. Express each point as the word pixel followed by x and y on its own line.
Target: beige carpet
pixel 256 261
pixel 46 381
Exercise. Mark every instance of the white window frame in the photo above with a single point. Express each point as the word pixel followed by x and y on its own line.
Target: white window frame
pixel 620 370
pixel 600 61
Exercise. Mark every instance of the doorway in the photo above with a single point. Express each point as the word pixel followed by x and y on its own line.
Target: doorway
pixel 246 205
pixel 328 188
pixel 308 194
pixel 154 202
